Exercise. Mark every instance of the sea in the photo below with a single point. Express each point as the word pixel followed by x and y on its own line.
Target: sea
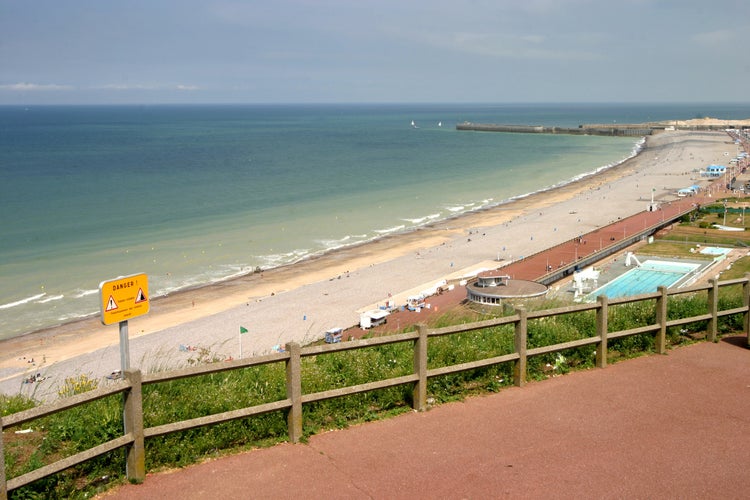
pixel 195 194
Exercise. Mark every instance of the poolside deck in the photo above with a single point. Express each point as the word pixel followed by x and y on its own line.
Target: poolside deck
pixel 622 280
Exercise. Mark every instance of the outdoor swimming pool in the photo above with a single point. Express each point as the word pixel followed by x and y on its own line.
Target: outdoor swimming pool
pixel 715 251
pixel 644 279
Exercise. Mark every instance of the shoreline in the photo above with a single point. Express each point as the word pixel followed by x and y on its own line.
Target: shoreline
pixel 277 299
pixel 440 225
pixel 401 241
pixel 248 272
pixel 390 240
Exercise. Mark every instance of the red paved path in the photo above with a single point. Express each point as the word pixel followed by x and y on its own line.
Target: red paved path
pixel 672 426
pixel 535 266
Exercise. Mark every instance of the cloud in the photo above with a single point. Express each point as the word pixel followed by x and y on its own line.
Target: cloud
pixel 528 46
pixel 127 86
pixel 147 86
pixel 34 87
pixel 714 38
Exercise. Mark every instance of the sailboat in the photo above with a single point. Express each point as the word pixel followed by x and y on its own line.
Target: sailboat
pixel 413 125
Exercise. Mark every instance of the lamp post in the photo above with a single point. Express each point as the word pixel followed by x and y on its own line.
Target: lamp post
pixel 743 214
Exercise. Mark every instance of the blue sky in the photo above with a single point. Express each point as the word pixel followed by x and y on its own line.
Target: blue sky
pixel 321 51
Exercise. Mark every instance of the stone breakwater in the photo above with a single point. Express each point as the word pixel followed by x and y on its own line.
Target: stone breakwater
pixel 534 129
pixel 615 129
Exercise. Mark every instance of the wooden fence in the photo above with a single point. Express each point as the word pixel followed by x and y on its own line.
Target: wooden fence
pixel 135 434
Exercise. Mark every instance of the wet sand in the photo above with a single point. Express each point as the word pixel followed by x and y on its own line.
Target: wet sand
pixel 301 301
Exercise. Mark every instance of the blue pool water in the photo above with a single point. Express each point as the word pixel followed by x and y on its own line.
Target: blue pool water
pixel 715 251
pixel 645 279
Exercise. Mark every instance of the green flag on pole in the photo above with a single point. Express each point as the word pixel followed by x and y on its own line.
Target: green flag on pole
pixel 243 329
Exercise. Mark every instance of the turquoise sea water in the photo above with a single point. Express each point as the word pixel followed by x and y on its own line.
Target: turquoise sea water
pixel 195 194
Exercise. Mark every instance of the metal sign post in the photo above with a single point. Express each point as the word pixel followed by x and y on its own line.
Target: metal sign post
pixel 124 347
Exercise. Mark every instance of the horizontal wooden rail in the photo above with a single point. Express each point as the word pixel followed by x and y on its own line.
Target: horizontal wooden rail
pixel 559 311
pixel 216 418
pixel 640 330
pixel 358 344
pixel 212 368
pixel 68 462
pixel 687 321
pixel 536 351
pixel 479 325
pixel 729 312
pixel 359 388
pixel 63 404
pixel 688 290
pixel 472 365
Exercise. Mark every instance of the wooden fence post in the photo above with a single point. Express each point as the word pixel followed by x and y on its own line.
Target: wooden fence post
pixel 135 458
pixel 602 324
pixel 3 485
pixel 713 309
pixel 661 319
pixel 419 393
pixel 294 391
pixel 519 366
pixel 746 305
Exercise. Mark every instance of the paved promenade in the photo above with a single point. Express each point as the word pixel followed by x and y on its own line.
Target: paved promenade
pixel 585 249
pixel 586 245
pixel 671 426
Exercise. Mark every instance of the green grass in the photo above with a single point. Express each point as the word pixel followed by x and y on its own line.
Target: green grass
pixel 738 270
pixel 668 248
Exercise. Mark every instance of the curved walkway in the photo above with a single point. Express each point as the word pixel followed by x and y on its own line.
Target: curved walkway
pixel 672 426
pixel 568 254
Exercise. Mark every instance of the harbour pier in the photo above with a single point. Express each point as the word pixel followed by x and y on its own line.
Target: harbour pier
pixel 614 129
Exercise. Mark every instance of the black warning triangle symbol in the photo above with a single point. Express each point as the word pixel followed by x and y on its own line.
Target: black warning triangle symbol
pixel 111 304
pixel 141 297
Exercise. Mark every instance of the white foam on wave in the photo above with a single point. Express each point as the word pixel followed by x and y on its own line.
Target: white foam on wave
pixel 50 299
pixel 390 229
pixel 85 293
pixel 423 220
pixel 637 148
pixel 456 208
pixel 22 301
pixel 228 272
pixel 75 315
pixel 335 244
pixel 213 274
pixel 280 259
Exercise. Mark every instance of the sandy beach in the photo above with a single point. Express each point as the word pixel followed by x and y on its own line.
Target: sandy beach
pixel 300 302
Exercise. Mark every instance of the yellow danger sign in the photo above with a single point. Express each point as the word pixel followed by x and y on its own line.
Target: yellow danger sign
pixel 123 298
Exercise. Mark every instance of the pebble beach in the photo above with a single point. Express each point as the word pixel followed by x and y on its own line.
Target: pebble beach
pixel 300 302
